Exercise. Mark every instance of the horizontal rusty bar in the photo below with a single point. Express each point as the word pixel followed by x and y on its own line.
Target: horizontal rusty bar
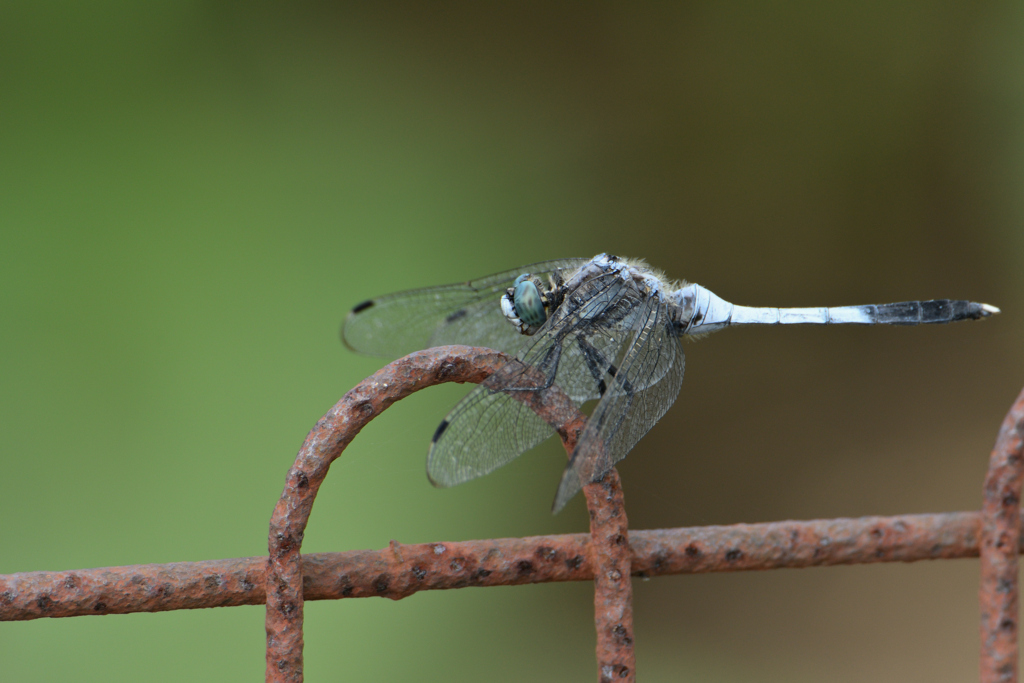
pixel 401 570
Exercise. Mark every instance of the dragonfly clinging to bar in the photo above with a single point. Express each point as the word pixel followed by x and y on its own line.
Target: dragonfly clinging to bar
pixel 605 329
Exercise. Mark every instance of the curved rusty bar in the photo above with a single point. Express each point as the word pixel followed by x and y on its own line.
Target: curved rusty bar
pixel 325 442
pixel 402 570
pixel 1000 545
pixel 330 436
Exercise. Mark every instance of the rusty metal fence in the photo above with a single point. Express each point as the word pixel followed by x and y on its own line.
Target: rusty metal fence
pixel 608 555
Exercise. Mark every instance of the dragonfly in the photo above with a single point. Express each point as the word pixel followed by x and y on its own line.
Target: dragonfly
pixel 605 329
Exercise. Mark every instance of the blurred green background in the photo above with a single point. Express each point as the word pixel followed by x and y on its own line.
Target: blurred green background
pixel 193 194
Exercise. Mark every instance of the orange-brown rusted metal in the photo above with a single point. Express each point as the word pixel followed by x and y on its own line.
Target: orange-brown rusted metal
pixel 138 588
pixel 613 590
pixel 402 570
pixel 336 430
pixel 325 442
pixel 1000 545
pixel 608 556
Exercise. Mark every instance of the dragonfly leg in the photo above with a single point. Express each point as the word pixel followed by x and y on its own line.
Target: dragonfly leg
pixel 527 381
pixel 597 364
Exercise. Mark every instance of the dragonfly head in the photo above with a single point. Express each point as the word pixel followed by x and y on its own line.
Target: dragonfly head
pixel 525 304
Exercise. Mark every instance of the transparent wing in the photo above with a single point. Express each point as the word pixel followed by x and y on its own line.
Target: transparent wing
pixel 644 388
pixel 464 313
pixel 572 352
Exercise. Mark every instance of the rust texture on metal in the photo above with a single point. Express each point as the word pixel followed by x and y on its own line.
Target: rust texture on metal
pixel 325 442
pixel 613 591
pixel 138 588
pixel 336 430
pixel 607 556
pixel 402 570
pixel 1000 545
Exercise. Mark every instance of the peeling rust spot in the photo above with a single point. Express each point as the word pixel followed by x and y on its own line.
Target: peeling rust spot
pixel 524 566
pixel 301 480
pixel 660 559
pixel 692 550
pixel 447 369
pixel 43 602
pixel 381 583
pixel 546 553
pixel 100 607
pixel 575 562
pixel 419 572
pixel 733 555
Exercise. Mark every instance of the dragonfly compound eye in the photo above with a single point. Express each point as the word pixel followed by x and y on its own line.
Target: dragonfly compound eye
pixel 528 302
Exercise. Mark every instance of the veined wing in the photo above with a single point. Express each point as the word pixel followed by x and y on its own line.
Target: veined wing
pixel 465 313
pixel 644 388
pixel 572 352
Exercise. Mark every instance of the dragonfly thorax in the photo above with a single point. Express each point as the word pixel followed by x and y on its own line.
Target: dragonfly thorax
pixel 529 303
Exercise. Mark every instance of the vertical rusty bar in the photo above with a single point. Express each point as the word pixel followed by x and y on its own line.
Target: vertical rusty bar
pixel 610 557
pixel 613 589
pixel 1000 539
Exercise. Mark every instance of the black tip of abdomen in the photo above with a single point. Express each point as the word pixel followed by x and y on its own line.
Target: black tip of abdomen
pixel 926 312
